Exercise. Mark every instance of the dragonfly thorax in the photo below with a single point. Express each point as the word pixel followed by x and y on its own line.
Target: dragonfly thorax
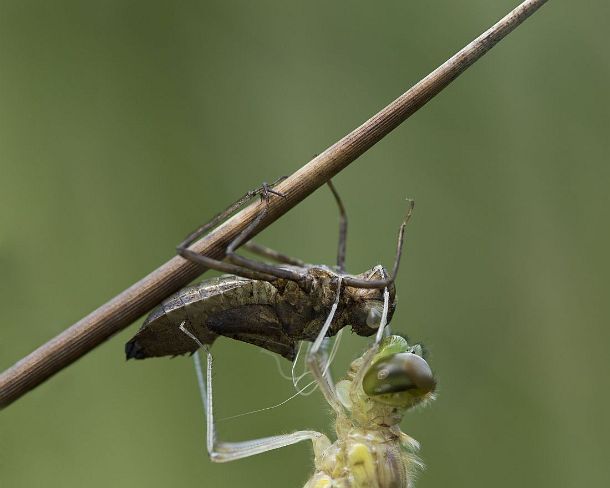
pixel 397 379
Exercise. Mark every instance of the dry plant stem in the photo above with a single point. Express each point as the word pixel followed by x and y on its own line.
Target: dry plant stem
pixel 129 305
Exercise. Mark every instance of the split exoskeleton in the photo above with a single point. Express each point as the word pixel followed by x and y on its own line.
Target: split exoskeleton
pixel 271 306
pixel 277 306
pixel 370 450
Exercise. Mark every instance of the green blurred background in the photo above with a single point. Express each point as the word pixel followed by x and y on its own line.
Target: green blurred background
pixel 124 124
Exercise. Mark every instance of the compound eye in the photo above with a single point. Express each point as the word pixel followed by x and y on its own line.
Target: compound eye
pixel 373 318
pixel 399 373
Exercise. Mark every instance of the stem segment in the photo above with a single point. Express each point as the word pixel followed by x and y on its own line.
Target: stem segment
pixel 129 305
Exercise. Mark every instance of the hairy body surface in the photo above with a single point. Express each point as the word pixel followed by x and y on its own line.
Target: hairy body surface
pixel 371 451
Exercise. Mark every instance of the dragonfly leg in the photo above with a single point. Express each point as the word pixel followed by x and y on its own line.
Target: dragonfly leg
pixel 221 216
pixel 383 283
pixel 239 265
pixel 342 228
pixel 317 364
pixel 279 257
pixel 221 452
pixel 244 236
pixel 267 252
pixel 224 266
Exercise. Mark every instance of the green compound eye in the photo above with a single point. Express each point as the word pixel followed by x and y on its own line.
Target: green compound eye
pixel 399 379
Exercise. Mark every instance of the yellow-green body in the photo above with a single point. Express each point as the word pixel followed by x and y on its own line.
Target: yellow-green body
pixel 370 451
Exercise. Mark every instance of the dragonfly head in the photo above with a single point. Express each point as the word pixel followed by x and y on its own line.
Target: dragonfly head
pixel 366 304
pixel 399 376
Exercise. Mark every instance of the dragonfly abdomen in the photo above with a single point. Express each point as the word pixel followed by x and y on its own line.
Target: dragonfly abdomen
pixel 230 306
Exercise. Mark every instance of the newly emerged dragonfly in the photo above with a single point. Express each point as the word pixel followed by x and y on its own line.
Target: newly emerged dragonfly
pixel 371 451
pixel 271 306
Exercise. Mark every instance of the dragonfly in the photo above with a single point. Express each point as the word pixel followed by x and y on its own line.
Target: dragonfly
pixel 370 450
pixel 271 306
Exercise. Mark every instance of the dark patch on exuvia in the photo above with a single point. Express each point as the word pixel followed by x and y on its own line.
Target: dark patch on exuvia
pixel 251 319
pixel 255 324
pixel 287 351
pixel 133 350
